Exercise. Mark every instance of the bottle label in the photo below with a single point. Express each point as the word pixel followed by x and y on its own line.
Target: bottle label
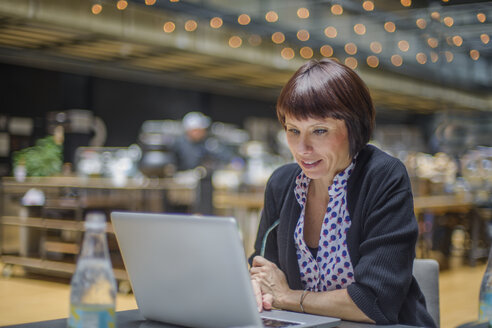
pixel 94 315
pixel 485 310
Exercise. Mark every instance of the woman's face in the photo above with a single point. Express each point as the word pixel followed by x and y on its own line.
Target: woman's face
pixel 319 145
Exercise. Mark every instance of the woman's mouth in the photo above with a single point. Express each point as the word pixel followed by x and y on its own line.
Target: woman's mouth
pixel 310 164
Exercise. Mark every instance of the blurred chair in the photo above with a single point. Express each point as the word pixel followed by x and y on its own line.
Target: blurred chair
pixel 426 272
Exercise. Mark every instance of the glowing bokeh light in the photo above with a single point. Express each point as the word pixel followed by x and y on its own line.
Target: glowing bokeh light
pixel 421 23
pixel 376 47
pixel 368 5
pixel 421 58
pixel 474 54
pixel 337 9
pixel 360 29
pixel 244 19
pixel 303 35
pixel 169 27
pixel 121 4
pixel 397 60
pixel 216 22
pixel 331 32
pixel 287 53
pixel 271 16
pixel 350 48
pixel 390 27
pixel 372 61
pixel 326 51
pixel 351 62
pixel 303 13
pixel 404 45
pixel 278 37
pixel 96 9
pixel 306 52
pixel 191 25
pixel 235 41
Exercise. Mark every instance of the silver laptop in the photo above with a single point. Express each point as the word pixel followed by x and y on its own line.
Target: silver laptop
pixel 192 271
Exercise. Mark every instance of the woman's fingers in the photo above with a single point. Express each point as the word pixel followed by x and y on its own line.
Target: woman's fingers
pixel 258 295
pixel 267 301
pixel 259 261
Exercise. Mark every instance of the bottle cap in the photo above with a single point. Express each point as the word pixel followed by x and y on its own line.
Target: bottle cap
pixel 95 221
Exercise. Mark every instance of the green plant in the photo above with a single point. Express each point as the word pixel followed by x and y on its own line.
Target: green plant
pixel 43 159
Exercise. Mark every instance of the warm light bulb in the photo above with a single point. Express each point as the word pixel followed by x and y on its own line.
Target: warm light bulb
pixel 254 40
pixel 376 47
pixel 235 41
pixel 406 3
pixel 372 61
pixel 485 38
pixel 331 32
pixel 96 9
pixel 457 40
pixel 169 27
pixel 474 54
pixel 121 4
pixel 336 10
pixel 435 15
pixel 326 51
pixel 191 25
pixel 421 23
pixel 481 17
pixel 421 58
pixel 351 62
pixel 303 35
pixel 434 56
pixel 397 60
pixel 287 53
pixel 303 13
pixel 150 2
pixel 368 5
pixel 360 29
pixel 390 27
pixel 449 56
pixel 271 16
pixel 244 19
pixel 278 37
pixel 448 21
pixel 404 45
pixel 216 22
pixel 432 42
pixel 306 52
pixel 350 48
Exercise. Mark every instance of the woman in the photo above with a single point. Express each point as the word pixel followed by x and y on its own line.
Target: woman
pixel 345 241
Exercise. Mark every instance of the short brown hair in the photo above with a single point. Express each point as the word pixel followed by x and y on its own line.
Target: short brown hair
pixel 327 88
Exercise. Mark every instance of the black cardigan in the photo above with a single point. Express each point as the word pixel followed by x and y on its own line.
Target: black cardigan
pixel 381 240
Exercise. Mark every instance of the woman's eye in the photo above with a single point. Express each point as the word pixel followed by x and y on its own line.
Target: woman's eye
pixel 320 131
pixel 293 131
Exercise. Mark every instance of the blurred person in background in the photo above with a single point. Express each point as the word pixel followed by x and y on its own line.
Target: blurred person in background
pixel 346 235
pixel 196 147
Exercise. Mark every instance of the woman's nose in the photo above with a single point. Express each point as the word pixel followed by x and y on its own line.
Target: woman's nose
pixel 304 145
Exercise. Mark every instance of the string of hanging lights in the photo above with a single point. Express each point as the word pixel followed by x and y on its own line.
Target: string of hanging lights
pixel 436 35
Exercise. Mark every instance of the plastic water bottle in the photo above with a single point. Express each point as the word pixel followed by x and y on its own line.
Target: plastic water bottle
pixel 485 299
pixel 93 286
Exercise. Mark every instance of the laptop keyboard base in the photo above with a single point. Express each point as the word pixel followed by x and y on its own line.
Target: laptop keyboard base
pixel 277 323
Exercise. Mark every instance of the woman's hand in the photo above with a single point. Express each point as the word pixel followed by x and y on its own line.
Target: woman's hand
pixel 263 301
pixel 271 284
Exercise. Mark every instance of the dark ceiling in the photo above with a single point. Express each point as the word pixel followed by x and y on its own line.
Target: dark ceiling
pixel 130 40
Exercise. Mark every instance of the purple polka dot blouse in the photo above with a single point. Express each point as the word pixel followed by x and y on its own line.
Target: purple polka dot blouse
pixel 332 268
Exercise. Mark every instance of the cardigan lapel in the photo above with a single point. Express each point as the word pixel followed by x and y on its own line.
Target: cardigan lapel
pixel 290 212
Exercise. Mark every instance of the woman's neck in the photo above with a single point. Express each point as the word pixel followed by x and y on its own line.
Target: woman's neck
pixel 321 185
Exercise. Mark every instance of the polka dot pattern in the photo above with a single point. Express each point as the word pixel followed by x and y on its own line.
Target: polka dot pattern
pixel 332 268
